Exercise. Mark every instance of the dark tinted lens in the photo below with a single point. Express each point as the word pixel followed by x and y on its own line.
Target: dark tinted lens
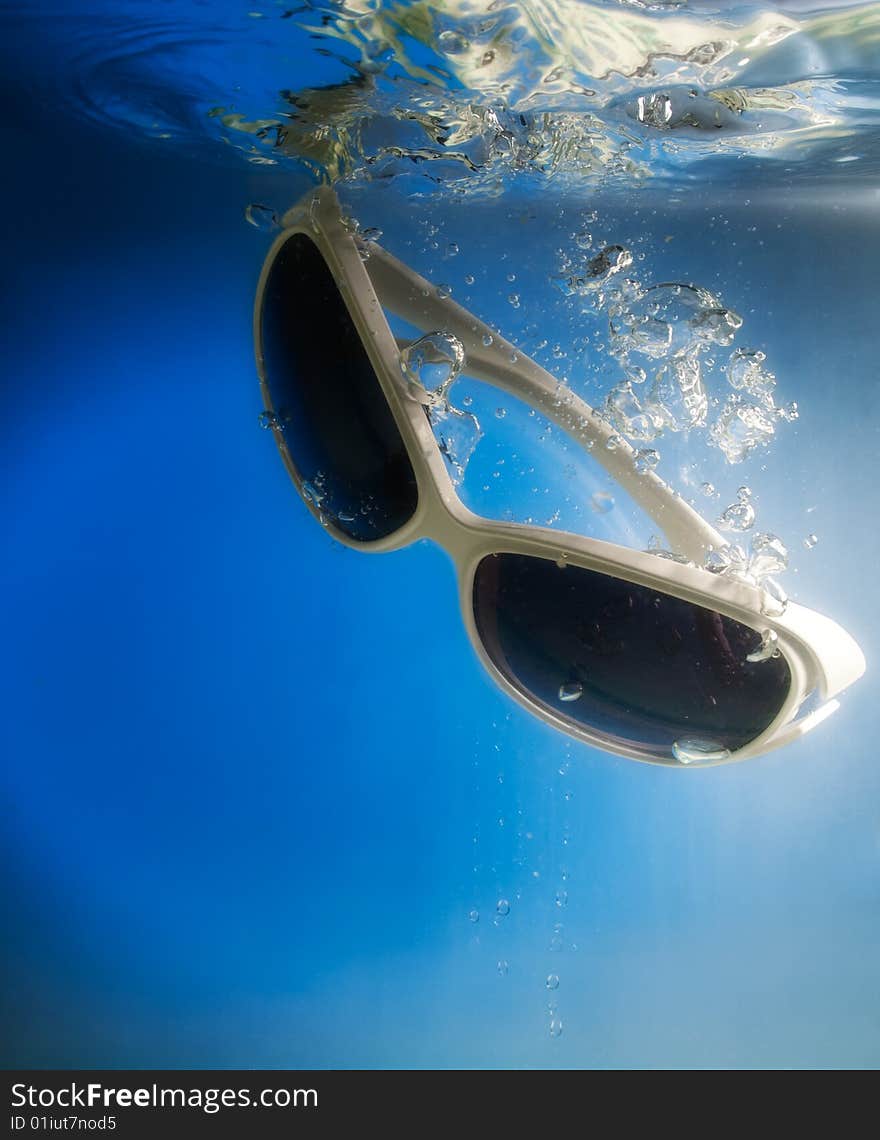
pixel 639 666
pixel 337 425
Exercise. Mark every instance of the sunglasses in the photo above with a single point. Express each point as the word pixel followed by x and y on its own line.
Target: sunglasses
pixel 650 658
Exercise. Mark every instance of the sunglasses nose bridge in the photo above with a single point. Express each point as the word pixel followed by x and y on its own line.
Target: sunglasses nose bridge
pixel 446 521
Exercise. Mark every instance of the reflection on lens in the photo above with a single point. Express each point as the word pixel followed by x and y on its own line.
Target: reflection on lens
pixel 327 402
pixel 650 672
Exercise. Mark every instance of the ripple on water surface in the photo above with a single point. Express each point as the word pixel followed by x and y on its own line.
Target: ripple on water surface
pixel 476 94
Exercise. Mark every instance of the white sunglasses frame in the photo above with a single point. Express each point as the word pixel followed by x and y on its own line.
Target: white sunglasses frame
pixel 822 657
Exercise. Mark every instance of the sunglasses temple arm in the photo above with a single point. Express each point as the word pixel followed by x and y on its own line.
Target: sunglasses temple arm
pixel 502 365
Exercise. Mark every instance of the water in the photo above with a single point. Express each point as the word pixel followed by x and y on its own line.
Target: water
pixel 257 813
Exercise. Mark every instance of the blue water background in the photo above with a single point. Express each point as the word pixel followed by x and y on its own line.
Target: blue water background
pixel 255 782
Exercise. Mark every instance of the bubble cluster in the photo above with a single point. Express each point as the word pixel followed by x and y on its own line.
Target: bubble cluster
pixel 766 557
pixel 430 366
pixel 740 515
pixel 666 339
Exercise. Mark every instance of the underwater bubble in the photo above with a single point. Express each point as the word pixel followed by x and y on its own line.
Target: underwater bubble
pixel 502 907
pixel 651 338
pixel 746 373
pixel 718 326
pixel 635 375
pixel 561 898
pixel 474 915
pixel 608 261
pixel 730 560
pixel 741 427
pixel 503 967
pixel 500 413
pixel 444 291
pixel 677 399
pixel 768 556
pixel 261 217
pixel 487 339
pixel 708 490
pixel 513 299
pixel 453 43
pixel 697 751
pixel 268 420
pixel 457 434
pixel 767 649
pixel 555 1027
pixel 625 413
pixel 571 691
pixel 774 600
pixel 552 982
pixel 672 318
pixel 740 515
pixel 602 502
pixel 599 270
pixel 469 279
pixel 646 459
pixel 715 561
pixel 810 541
pixel 431 365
